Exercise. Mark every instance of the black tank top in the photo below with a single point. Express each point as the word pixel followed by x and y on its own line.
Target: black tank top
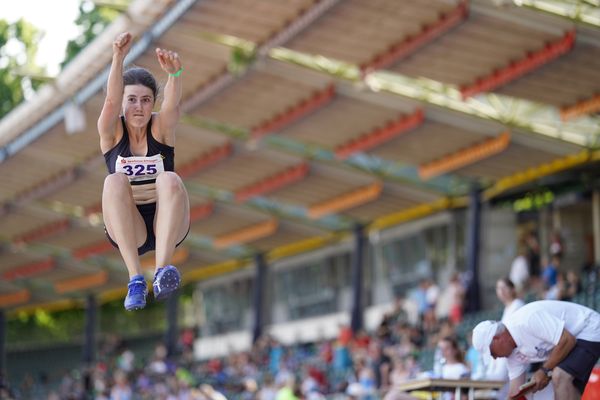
pixel 139 170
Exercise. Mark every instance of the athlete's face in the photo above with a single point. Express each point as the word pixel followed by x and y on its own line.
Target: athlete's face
pixel 138 102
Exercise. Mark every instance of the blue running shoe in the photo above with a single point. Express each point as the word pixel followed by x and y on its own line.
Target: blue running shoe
pixel 166 281
pixel 136 293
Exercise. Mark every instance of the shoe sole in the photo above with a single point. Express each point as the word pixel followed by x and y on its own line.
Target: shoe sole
pixel 134 308
pixel 169 282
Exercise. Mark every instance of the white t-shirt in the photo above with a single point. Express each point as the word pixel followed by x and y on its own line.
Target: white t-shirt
pixel 455 371
pixel 519 272
pixel 511 308
pixel 536 328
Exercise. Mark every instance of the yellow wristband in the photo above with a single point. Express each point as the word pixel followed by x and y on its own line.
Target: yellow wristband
pixel 177 73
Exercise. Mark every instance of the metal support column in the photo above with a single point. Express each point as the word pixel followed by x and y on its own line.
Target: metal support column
pixel 356 322
pixel 171 334
pixel 596 225
pixel 89 344
pixel 592 277
pixel 3 371
pixel 258 295
pixel 473 241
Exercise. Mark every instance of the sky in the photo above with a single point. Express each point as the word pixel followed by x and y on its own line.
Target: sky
pixel 56 18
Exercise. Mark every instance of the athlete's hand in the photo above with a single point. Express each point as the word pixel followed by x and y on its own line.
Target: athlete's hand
pixel 169 60
pixel 122 44
pixel 540 379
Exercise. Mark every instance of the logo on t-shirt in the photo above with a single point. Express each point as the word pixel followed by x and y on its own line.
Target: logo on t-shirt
pixel 542 352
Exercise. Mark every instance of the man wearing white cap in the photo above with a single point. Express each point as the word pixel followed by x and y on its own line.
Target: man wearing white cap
pixel 564 336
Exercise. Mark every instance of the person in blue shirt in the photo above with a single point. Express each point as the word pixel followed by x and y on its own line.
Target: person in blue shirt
pixel 550 272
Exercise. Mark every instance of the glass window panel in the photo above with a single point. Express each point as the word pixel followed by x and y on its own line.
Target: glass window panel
pixel 313 289
pixel 226 306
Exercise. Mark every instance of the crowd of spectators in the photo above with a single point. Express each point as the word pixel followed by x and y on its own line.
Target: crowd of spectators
pixel 358 365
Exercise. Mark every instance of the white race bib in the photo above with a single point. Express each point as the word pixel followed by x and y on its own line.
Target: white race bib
pixel 139 168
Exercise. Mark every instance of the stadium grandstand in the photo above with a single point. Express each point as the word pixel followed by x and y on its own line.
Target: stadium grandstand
pixel 361 173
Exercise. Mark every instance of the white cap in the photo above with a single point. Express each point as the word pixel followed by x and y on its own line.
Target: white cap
pixel 483 334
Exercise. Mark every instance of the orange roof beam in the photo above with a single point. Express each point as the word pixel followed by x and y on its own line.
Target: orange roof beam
pixel 93 249
pixel 201 211
pixel 537 172
pixel 466 156
pixel 44 231
pixel 81 282
pixel 378 136
pixel 205 160
pixel 412 213
pixel 14 298
pixel 521 67
pixel 345 201
pixel 209 271
pixel 45 187
pixel 248 234
pixel 580 108
pixel 294 113
pixel 30 270
pixel 430 32
pixel 273 182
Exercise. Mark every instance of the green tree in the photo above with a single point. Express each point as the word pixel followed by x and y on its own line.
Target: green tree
pixel 18 47
pixel 93 18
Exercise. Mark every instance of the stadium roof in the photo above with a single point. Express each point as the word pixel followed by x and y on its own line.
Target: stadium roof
pixel 301 120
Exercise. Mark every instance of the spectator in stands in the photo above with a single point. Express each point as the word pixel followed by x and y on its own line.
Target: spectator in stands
pixel 507 294
pixel 419 296
pixel 564 336
pixel 533 255
pixel 5 392
pixel 572 285
pixel 454 366
pixel 268 390
pixel 557 247
pixel 276 354
pixel 342 358
pixel 453 362
pixel 432 294
pixel 395 317
pixel 451 300
pixel 288 390
pixel 379 361
pixel 144 203
pixel 497 369
pixel 121 390
pixel 519 271
pixel 558 290
pixel 550 272
pixel 158 365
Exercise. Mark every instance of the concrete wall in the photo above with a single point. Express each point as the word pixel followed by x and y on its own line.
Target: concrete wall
pixel 497 250
pixel 575 224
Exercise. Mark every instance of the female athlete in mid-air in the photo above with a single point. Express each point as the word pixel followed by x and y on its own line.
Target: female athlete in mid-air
pixel 144 203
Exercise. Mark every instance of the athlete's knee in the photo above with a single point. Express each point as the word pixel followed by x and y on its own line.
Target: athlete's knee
pixel 561 377
pixel 169 181
pixel 115 183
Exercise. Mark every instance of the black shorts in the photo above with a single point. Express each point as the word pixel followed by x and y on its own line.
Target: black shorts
pixel 147 211
pixel 580 362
